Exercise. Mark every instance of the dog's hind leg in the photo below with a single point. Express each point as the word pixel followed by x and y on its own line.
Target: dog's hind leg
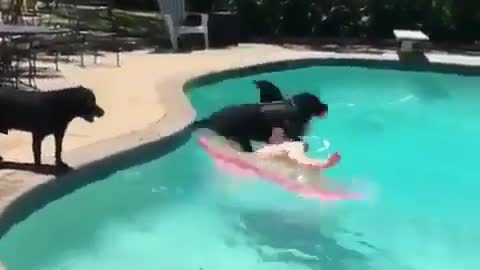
pixel 59 135
pixel 203 123
pixel 3 126
pixel 37 148
pixel 245 143
pixel 3 131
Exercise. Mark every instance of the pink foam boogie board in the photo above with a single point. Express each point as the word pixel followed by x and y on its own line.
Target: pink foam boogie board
pixel 288 174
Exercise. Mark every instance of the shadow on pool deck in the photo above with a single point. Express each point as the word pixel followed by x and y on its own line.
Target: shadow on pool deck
pixel 50 191
pixel 40 169
pixel 413 58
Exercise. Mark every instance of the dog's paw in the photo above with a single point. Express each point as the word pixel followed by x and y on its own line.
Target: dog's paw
pixel 61 164
pixel 62 167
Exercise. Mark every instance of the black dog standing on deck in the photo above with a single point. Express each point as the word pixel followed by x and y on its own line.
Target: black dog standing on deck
pixel 46 113
pixel 247 122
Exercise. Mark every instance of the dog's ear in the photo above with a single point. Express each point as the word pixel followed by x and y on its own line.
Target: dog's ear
pixel 86 97
pixel 85 89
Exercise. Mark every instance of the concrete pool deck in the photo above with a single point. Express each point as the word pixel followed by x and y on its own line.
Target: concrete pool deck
pixel 144 102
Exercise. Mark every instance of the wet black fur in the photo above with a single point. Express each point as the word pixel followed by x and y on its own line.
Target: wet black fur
pixel 246 122
pixel 46 113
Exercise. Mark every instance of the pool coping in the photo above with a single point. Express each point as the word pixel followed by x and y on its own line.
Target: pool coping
pixel 303 63
pixel 108 156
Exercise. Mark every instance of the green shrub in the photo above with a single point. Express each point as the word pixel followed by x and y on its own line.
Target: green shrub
pixel 446 20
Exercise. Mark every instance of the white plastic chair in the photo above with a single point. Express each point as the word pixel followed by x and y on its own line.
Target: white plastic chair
pixel 174 14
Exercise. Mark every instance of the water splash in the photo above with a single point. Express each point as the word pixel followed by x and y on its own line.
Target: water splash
pixel 325 143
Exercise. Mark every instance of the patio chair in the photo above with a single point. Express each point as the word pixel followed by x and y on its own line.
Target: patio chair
pixel 14 50
pixel 79 13
pixel 174 14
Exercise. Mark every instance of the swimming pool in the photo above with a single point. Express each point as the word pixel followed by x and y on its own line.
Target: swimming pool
pixel 410 137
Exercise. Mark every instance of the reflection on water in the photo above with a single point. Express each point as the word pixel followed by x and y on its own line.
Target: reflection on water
pixel 281 237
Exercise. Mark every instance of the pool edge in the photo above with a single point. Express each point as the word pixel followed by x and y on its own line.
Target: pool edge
pixel 291 64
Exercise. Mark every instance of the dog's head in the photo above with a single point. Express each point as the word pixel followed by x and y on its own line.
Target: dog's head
pixel 87 107
pixel 309 105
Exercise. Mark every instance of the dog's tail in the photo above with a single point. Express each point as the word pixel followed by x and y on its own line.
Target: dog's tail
pixel 203 123
pixel 268 91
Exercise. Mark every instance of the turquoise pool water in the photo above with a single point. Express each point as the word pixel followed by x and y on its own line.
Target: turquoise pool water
pixel 411 139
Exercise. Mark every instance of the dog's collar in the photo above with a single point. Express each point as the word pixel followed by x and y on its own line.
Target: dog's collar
pixel 275 105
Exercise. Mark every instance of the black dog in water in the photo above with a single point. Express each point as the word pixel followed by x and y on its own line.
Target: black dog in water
pixel 46 113
pixel 247 122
